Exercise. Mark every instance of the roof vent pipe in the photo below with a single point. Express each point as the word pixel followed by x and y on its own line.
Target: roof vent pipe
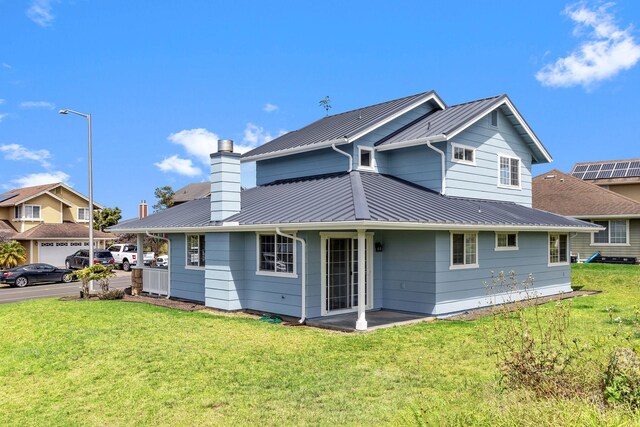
pixel 225 146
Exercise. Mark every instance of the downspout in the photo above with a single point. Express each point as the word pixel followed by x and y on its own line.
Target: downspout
pixel 303 304
pixel 345 154
pixel 169 264
pixel 442 157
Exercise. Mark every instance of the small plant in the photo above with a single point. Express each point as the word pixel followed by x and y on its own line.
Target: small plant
pixel 111 294
pixel 97 273
pixel 622 378
pixel 12 254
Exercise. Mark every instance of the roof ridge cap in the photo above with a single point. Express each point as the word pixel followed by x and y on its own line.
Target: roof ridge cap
pixel 360 204
pixel 478 100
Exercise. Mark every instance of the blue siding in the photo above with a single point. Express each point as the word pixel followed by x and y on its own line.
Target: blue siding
pixel 185 283
pixel 420 165
pixel 224 276
pixel 481 181
pixel 315 162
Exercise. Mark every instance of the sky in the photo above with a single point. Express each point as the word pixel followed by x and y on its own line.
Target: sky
pixel 164 80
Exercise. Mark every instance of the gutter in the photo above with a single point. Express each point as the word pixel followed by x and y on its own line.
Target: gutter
pixel 295 150
pixel 442 167
pixel 303 292
pixel 413 142
pixel 345 154
pixel 168 265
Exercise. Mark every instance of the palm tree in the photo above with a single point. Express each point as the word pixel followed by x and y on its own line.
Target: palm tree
pixel 12 254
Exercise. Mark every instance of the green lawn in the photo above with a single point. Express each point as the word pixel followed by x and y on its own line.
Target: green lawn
pixel 113 363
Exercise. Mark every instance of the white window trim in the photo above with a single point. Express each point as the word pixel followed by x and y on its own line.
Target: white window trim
pixel 497 119
pixel 463 266
pixel 507 248
pixel 22 209
pixel 186 252
pixel 371 151
pixel 455 145
pixel 510 187
pixel 292 275
pixel 593 235
pixel 88 213
pixel 558 264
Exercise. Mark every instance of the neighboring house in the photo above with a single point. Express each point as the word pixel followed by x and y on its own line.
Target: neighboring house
pixel 407 205
pixel 196 190
pixel 50 221
pixel 563 194
pixel 619 176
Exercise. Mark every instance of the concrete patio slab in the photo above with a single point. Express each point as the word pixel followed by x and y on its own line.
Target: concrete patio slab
pixel 375 320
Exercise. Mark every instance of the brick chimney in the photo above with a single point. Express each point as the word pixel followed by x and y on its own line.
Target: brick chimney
pixel 225 181
pixel 143 209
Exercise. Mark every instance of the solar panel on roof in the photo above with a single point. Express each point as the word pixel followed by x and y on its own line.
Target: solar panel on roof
pixel 580 168
pixel 594 168
pixel 634 165
pixel 591 175
pixel 607 166
pixel 633 172
pixel 578 174
pixel 622 165
pixel 605 174
pixel 618 173
pixel 7 197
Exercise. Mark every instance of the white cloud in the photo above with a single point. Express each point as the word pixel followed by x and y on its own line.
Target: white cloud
pixel 41 178
pixel 19 152
pixel 7 66
pixel 37 104
pixel 199 142
pixel 607 51
pixel 179 166
pixel 269 108
pixel 255 136
pixel 2 116
pixel 41 12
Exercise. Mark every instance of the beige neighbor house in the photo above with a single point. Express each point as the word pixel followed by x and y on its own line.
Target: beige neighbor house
pixel 51 221
pixel 567 195
pixel 619 176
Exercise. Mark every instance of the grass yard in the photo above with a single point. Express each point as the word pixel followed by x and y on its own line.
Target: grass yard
pixel 113 363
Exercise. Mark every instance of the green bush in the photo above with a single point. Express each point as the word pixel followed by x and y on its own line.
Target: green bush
pixel 622 378
pixel 111 294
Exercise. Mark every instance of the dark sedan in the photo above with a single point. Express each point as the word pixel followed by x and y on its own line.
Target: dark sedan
pixel 35 273
pixel 81 258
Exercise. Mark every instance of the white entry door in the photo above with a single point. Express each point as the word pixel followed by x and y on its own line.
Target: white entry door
pixel 55 252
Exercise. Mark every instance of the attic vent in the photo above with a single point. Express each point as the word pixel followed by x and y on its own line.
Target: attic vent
pixel 550 177
pixel 493 118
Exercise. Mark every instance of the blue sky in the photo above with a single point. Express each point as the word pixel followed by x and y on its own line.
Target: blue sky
pixel 165 80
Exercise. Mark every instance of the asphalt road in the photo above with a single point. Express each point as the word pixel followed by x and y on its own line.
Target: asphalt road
pixel 8 294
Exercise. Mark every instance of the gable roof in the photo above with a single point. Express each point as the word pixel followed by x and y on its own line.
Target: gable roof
pixel 22 195
pixel 558 192
pixel 341 128
pixel 353 199
pixel 66 230
pixel 196 190
pixel 445 124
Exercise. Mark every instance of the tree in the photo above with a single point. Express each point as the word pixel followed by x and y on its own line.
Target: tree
pixel 326 104
pixel 106 217
pixel 12 254
pixel 165 198
pixel 97 273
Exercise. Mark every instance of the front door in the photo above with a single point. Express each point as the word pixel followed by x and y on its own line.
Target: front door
pixel 340 274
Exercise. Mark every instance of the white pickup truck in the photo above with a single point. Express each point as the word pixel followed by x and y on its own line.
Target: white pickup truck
pixel 125 254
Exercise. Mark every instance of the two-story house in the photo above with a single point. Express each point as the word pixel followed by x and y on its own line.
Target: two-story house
pixel 50 221
pixel 408 205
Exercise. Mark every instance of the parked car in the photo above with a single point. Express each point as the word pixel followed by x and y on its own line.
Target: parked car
pixel 35 273
pixel 162 261
pixel 126 254
pixel 81 258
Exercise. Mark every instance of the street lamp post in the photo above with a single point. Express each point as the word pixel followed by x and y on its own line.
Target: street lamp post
pixel 88 117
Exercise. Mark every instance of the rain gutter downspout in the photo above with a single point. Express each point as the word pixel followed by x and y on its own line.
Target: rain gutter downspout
pixel 345 154
pixel 303 293
pixel 442 157
pixel 168 264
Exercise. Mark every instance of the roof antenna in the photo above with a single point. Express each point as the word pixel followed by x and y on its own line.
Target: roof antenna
pixel 326 104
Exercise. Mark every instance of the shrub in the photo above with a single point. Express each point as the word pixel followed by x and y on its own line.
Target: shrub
pixel 97 273
pixel 622 378
pixel 111 294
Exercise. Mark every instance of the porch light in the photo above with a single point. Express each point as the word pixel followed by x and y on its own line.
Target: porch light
pixel 379 246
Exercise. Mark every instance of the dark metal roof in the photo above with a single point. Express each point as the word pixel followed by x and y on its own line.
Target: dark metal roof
pixel 196 190
pixel 354 197
pixel 338 125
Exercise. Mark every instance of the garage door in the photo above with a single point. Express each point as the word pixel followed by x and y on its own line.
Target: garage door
pixel 54 253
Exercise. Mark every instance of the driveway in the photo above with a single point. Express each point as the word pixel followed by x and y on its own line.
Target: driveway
pixel 8 294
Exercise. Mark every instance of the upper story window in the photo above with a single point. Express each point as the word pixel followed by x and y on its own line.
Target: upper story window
pixel 493 118
pixel 365 156
pixel 463 154
pixel 276 255
pixel 27 212
pixel 506 241
pixel 83 214
pixel 509 171
pixel 195 250
pixel 464 250
pixel 558 249
pixel 615 233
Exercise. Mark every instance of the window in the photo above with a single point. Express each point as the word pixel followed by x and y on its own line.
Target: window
pixel 83 214
pixel 464 250
pixel 27 212
pixel 463 154
pixel 506 241
pixel 276 255
pixel 558 249
pixel 615 232
pixel 493 118
pixel 366 157
pixel 509 171
pixel 195 250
